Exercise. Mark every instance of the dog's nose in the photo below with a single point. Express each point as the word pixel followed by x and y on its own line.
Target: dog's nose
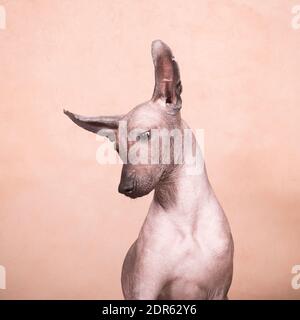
pixel 126 187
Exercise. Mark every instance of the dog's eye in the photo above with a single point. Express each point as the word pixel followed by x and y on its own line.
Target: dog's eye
pixel 143 136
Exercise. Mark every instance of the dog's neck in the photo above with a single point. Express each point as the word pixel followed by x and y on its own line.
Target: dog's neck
pixel 183 186
pixel 182 190
pixel 184 199
pixel 190 207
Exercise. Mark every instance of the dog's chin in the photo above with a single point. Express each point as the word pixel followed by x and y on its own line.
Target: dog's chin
pixel 137 194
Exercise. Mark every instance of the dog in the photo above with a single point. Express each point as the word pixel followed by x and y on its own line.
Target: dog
pixel 185 248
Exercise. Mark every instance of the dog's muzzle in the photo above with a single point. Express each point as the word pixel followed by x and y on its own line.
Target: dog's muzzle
pixel 126 187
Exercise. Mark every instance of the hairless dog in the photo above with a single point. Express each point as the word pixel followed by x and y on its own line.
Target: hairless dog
pixel 184 249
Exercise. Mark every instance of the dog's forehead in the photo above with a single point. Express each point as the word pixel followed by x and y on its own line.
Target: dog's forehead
pixel 146 115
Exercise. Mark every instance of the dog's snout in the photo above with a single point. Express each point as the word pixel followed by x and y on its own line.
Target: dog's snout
pixel 126 187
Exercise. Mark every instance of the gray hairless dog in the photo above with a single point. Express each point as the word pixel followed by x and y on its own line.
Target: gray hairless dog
pixel 185 248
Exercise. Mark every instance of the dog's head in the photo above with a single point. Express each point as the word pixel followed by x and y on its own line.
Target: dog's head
pixel 160 114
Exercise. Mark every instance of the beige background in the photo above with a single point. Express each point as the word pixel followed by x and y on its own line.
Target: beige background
pixel 64 229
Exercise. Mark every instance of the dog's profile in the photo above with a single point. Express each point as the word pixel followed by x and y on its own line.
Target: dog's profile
pixel 185 248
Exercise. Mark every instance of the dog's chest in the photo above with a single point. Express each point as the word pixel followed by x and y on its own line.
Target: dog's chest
pixel 184 254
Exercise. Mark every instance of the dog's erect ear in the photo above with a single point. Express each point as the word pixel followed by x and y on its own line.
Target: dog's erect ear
pixel 105 126
pixel 167 77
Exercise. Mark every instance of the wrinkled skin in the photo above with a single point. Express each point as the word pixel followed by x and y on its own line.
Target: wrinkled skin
pixel 184 249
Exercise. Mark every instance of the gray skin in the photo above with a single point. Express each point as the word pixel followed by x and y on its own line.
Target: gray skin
pixel 184 249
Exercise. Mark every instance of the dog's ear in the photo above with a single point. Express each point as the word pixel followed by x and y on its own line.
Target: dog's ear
pixel 105 126
pixel 167 77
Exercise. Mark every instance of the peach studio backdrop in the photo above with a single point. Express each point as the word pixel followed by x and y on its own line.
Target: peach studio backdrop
pixel 64 229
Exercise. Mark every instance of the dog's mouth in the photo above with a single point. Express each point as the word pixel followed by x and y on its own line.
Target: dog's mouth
pixel 136 193
pixel 136 188
pixel 131 195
